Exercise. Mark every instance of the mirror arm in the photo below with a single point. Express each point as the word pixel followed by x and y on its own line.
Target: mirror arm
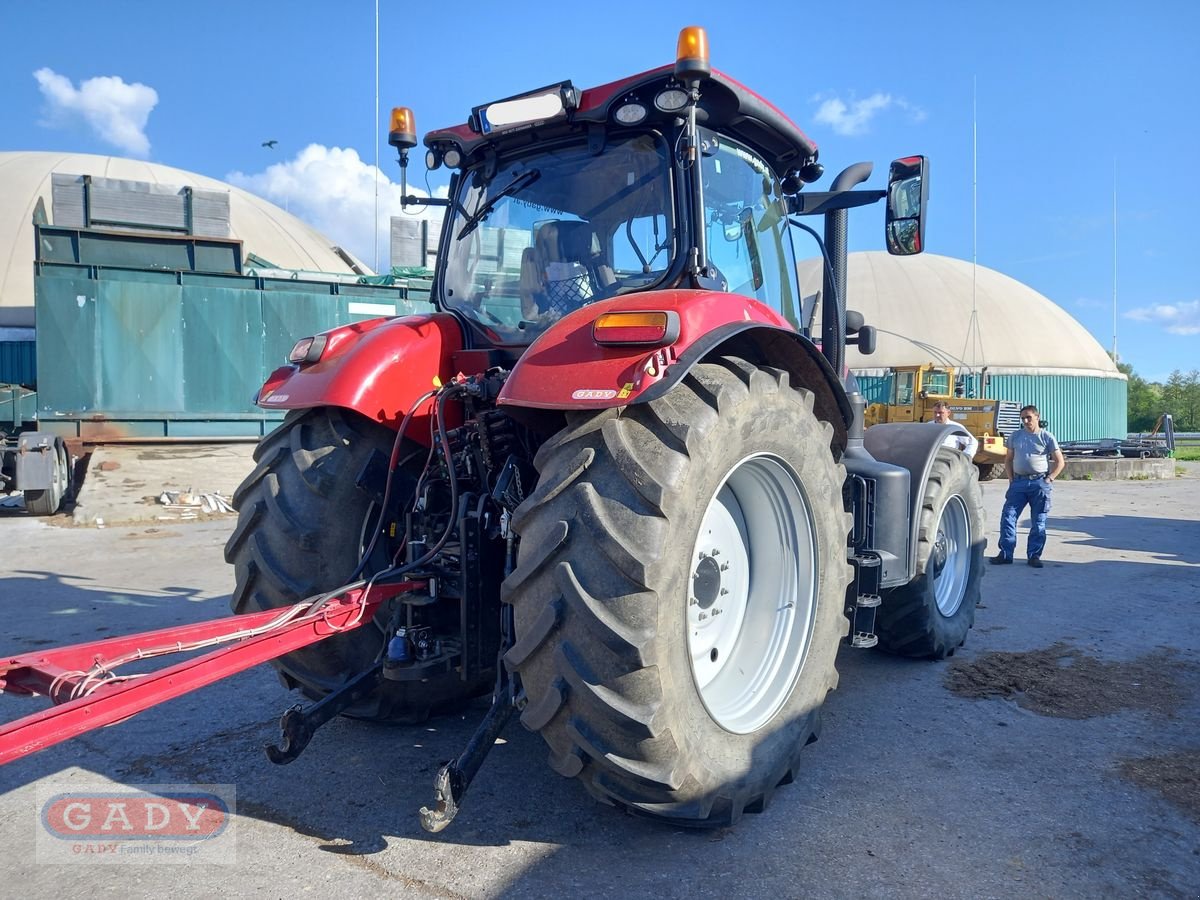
pixel 820 202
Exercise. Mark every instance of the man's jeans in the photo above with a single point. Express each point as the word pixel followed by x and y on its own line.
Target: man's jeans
pixel 1021 491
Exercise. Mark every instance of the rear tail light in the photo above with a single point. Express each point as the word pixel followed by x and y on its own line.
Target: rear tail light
pixel 649 328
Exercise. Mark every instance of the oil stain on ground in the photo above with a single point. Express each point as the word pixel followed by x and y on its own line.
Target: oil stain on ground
pixel 1064 682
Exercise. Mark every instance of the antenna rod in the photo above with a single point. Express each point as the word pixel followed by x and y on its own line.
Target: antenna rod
pixel 376 224
pixel 1114 352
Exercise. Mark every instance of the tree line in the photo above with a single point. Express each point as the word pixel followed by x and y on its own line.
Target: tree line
pixel 1179 396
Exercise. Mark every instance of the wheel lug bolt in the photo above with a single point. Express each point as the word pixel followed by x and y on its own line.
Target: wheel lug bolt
pixel 724 591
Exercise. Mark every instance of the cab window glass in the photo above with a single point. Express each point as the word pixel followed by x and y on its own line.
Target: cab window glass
pixel 746 227
pixel 937 381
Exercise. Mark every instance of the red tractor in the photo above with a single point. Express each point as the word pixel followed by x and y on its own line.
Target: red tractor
pixel 609 480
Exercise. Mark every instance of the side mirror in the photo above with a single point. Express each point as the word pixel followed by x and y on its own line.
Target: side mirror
pixel 854 321
pixel 907 199
pixel 866 340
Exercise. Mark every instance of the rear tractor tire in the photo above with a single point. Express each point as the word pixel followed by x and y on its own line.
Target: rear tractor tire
pixel 987 471
pixel 302 524
pixel 679 594
pixel 931 615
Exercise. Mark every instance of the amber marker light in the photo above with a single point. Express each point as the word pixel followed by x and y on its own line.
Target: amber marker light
pixel 403 131
pixel 654 328
pixel 691 54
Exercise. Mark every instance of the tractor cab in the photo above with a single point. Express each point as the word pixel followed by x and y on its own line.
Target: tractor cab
pixel 679 178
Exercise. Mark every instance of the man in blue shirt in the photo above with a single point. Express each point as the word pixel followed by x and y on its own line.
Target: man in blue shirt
pixel 1034 461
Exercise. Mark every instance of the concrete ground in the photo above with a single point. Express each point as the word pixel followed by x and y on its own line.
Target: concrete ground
pixel 124 483
pixel 1055 756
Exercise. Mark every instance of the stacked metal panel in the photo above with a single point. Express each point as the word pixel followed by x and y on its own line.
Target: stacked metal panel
pixel 81 201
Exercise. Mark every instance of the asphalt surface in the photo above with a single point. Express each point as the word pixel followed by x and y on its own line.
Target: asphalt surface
pixel 914 790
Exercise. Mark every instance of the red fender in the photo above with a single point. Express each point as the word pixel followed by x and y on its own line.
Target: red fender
pixel 566 369
pixel 379 368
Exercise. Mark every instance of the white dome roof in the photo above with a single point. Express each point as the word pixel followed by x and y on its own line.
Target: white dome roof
pixel 264 229
pixel 921 307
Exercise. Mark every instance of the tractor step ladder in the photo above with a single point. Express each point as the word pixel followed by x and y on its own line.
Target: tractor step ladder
pixel 868 569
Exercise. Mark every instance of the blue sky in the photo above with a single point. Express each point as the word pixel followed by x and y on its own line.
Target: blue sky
pixel 1066 93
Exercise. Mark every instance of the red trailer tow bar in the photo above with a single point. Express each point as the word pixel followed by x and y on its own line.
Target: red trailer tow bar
pixel 83 681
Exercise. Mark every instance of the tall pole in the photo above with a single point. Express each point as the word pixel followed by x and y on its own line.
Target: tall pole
pixel 974 187
pixel 1114 350
pixel 375 224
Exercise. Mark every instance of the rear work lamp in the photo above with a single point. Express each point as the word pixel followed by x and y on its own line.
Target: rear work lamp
pixel 308 350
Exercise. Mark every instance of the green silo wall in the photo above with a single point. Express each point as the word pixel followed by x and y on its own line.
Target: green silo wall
pixel 1078 407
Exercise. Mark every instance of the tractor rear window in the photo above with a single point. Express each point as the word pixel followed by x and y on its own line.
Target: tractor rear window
pixel 557 229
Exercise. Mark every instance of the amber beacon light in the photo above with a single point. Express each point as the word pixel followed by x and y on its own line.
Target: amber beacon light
pixel 691 54
pixel 403 132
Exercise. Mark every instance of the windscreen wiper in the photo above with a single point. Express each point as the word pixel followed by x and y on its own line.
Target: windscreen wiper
pixel 522 181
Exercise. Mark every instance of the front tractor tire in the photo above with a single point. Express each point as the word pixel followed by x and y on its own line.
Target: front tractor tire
pixel 679 594
pixel 931 615
pixel 302 523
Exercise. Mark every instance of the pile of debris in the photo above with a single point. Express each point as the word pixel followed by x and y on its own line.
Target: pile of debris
pixel 189 504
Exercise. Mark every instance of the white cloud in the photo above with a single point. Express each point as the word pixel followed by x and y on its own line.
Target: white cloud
pixel 915 113
pixel 333 190
pixel 1176 318
pixel 855 117
pixel 116 111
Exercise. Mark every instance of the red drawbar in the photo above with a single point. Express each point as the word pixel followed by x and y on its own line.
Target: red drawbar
pixel 60 673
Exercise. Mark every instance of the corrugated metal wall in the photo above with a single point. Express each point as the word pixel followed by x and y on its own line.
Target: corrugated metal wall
pixel 1078 408
pixel 875 388
pixel 145 353
pixel 1082 408
pixel 18 362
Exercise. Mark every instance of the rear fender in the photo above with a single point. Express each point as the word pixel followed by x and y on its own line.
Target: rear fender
pixel 912 446
pixel 378 368
pixel 37 460
pixel 565 369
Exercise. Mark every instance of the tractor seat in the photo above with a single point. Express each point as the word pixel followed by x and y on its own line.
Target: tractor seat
pixel 562 271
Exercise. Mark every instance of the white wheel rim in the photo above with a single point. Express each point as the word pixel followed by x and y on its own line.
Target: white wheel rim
pixel 752 593
pixel 950 557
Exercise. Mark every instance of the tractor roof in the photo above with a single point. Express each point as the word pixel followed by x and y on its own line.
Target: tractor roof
pixel 725 106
